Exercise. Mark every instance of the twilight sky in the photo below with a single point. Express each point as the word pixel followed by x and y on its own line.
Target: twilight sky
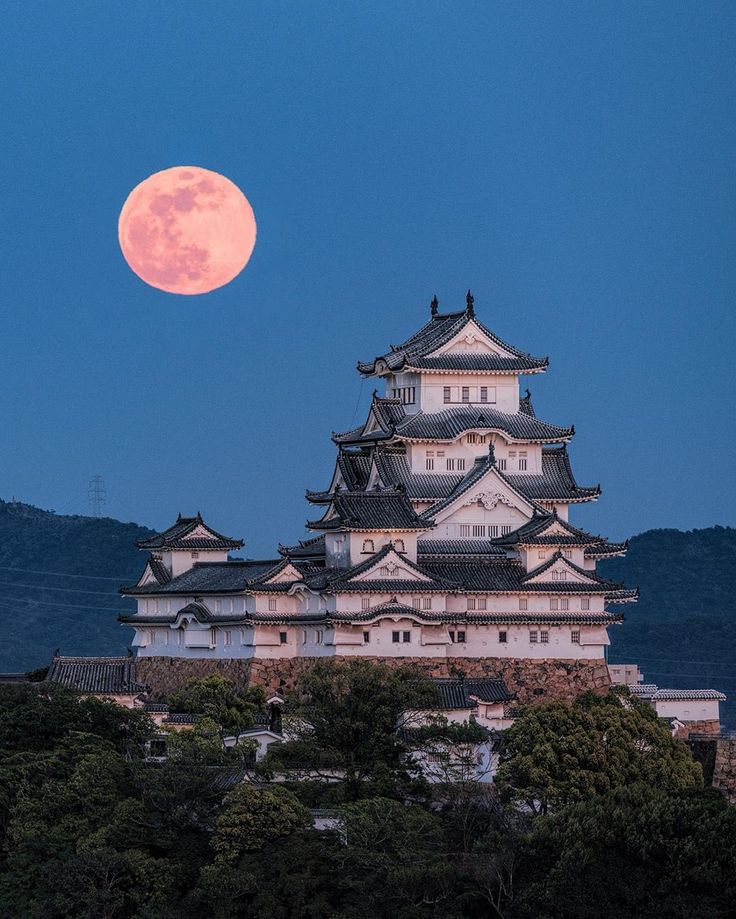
pixel 572 163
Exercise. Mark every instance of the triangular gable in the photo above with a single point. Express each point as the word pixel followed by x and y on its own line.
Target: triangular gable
pixel 148 577
pixel 393 567
pixel 559 569
pixel 490 489
pixel 200 532
pixel 285 573
pixel 471 338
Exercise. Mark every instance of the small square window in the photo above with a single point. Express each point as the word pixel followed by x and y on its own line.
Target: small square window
pixel 533 636
pixel 505 529
pixel 575 636
pixel 406 636
pixel 452 636
pixel 585 603
pixel 523 603
pixel 541 554
pixel 479 530
pixel 465 529
pixel 195 554
pixel 272 604
pixel 522 465
pixel 461 637
pixel 465 397
pixel 395 636
pixel 416 602
pixel 484 394
pixel 461 465
pixel 365 602
pixel 503 638
pixel 493 531
pixel 283 637
pixel 447 394
pixel 471 438
pixel 553 604
pixel 544 637
pixel 481 602
pixel 502 464
pixel 564 603
pixel 567 553
pixel 366 637
pixel 426 603
pixel 450 464
pixel 471 602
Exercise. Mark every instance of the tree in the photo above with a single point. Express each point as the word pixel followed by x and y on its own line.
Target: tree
pixel 344 720
pixel 556 754
pixel 218 698
pixel 252 817
pixel 636 852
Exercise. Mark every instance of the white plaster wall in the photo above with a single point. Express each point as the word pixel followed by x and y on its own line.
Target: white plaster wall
pixel 689 709
pixel 505 389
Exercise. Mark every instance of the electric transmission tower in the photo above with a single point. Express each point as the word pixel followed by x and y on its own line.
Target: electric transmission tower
pixel 97 495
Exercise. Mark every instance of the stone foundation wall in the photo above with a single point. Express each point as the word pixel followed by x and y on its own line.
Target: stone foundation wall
pixel 529 680
pixel 698 727
pixel 724 773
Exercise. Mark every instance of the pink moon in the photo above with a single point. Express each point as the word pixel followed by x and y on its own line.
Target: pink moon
pixel 187 230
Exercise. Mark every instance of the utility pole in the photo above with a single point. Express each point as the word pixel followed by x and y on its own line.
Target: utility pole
pixel 96 495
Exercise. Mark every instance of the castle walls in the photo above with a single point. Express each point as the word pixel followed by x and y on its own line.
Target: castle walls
pixel 529 680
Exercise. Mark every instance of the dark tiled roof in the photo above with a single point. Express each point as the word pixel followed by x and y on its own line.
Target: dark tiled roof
pixel 159 570
pixel 476 362
pixel 533 533
pixel 113 675
pixel 607 550
pixel 687 695
pixel 156 707
pixel 393 468
pixel 556 483
pixel 463 693
pixel 440 548
pixel 209 577
pixel 177 537
pixel 306 548
pixel 525 404
pixel 200 611
pixel 439 331
pixel 181 718
pixel 449 424
pixel 370 510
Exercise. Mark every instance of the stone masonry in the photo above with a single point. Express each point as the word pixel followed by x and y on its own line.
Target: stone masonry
pixel 528 680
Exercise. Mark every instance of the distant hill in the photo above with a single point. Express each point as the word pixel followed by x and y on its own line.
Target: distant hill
pixel 59 578
pixel 681 632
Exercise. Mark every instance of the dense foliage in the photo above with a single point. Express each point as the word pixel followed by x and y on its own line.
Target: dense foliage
pixel 90 830
pixel 555 754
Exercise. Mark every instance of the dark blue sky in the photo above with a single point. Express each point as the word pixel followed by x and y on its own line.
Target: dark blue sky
pixel 573 163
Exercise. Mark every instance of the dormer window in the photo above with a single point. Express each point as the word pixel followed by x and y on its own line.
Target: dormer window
pixel 399 545
pixel 368 545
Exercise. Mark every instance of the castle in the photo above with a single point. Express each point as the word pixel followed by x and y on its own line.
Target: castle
pixel 442 539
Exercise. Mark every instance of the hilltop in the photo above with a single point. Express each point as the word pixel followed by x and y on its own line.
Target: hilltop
pixel 59 578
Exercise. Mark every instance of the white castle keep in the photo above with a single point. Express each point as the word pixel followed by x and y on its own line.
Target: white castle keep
pixel 443 534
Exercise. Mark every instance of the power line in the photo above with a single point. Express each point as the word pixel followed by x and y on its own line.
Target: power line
pixel 63 574
pixel 65 590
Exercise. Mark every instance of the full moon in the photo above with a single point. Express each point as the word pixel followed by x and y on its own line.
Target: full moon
pixel 187 230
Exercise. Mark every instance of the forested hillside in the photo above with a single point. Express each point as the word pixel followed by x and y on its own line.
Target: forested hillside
pixel 59 578
pixel 681 630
